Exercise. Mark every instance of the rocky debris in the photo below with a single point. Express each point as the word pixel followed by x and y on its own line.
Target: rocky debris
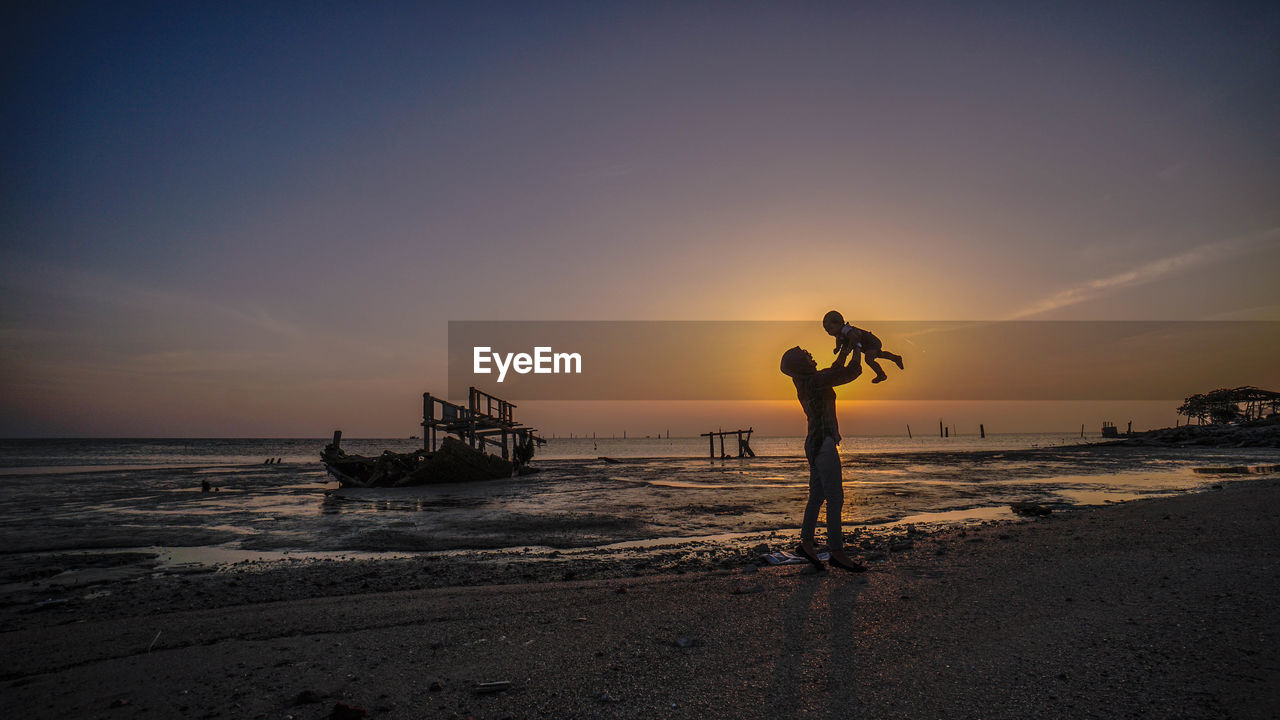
pixel 759 552
pixel 1031 509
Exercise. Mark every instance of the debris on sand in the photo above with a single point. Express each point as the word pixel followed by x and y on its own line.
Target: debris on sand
pixel 493 686
pixel 1031 509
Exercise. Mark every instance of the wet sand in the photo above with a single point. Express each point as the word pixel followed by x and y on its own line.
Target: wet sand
pixel 271 510
pixel 1157 608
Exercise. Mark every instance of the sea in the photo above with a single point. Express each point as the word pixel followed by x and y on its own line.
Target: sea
pixel 92 495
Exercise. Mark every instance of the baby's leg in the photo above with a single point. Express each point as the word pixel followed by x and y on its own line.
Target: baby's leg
pixel 897 359
pixel 871 363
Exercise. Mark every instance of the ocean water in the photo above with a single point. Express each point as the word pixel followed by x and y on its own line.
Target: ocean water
pixel 73 495
pixel 75 455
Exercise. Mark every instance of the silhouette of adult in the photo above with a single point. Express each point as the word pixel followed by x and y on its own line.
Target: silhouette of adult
pixel 818 399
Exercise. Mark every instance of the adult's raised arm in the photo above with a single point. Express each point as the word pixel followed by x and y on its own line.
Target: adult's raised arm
pixel 840 371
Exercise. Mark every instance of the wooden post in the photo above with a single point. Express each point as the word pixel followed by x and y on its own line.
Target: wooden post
pixel 908 431
pixel 1081 429
pixel 337 437
pixel 711 446
pixel 982 431
pixel 473 405
pixel 940 432
pixel 946 432
pixel 426 420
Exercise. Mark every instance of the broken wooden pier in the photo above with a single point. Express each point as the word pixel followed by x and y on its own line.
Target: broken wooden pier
pixel 744 442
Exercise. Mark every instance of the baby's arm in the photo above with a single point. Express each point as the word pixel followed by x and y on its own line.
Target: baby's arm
pixel 843 349
pixel 846 340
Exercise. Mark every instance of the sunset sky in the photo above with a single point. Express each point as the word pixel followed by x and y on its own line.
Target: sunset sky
pixel 256 219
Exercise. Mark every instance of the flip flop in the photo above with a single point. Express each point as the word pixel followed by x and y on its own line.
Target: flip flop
pixel 811 557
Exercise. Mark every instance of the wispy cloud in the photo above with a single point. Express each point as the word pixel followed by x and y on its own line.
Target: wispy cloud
pixel 1150 272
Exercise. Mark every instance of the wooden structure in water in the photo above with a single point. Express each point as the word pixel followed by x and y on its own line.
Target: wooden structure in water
pixel 459 456
pixel 744 442
pixel 1109 430
pixel 485 422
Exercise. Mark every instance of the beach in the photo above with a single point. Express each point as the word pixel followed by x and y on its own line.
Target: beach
pixel 1161 607
pixel 476 361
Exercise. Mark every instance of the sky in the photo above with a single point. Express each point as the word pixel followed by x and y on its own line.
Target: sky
pixel 256 219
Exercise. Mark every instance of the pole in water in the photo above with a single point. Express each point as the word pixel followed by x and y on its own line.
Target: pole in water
pixel 940 434
pixel 947 433
pixel 982 431
pixel 1081 429
pixel 908 431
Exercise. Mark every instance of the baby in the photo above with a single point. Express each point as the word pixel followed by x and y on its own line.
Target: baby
pixel 851 338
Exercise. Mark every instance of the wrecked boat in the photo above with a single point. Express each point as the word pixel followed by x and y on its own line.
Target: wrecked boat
pixel 453 461
pixel 486 421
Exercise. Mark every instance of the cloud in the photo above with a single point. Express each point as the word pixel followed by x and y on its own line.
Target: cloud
pixel 1149 272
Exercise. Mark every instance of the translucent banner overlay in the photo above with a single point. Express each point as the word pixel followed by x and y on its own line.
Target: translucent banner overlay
pixel 738 360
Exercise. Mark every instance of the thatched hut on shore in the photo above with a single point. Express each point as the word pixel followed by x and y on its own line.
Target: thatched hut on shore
pixel 1225 405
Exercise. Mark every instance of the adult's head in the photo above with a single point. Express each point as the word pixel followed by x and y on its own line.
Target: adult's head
pixel 797 362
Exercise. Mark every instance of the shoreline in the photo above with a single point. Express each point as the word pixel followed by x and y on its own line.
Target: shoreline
pixel 92 580
pixel 1160 606
pixel 277 510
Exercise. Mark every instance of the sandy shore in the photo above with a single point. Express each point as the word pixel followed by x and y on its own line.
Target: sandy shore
pixel 1156 608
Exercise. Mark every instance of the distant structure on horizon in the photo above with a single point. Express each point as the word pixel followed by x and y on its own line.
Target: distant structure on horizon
pixel 1226 405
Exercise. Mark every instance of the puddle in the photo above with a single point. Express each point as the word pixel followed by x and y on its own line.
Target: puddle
pixel 1238 470
pixel 966 516
pixel 1106 497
